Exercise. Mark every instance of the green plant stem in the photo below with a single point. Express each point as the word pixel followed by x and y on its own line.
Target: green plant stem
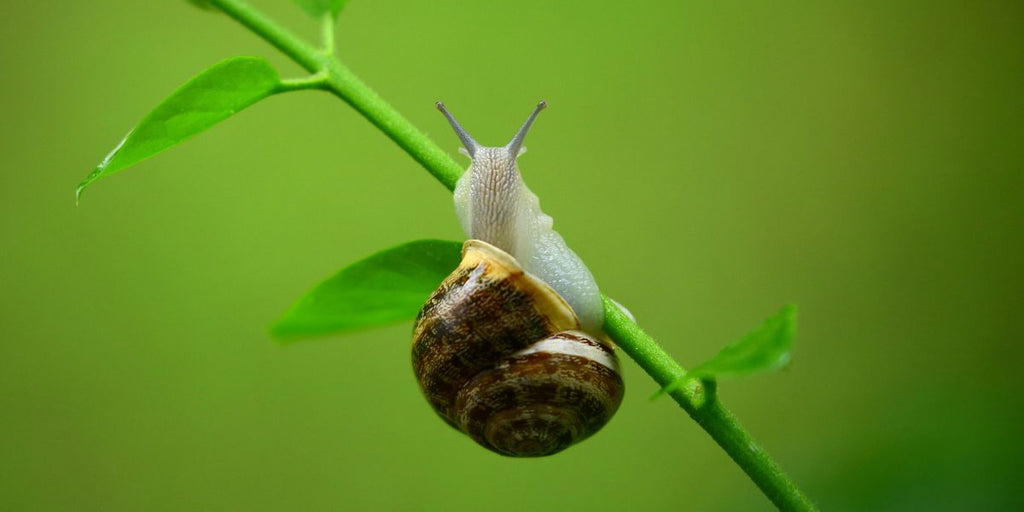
pixel 315 81
pixel 327 34
pixel 346 85
pixel 282 39
pixel 699 399
pixel 695 396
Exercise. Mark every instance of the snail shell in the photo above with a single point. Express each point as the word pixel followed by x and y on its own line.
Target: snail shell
pixel 501 357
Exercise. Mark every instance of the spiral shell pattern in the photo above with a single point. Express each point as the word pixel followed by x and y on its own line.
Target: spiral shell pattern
pixel 499 355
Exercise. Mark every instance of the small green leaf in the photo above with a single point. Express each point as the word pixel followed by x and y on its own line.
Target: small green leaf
pixel 318 8
pixel 763 349
pixel 210 97
pixel 388 287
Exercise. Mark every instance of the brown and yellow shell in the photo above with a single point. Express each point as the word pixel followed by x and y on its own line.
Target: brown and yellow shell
pixel 499 355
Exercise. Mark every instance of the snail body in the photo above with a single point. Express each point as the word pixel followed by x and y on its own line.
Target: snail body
pixel 509 349
pixel 493 204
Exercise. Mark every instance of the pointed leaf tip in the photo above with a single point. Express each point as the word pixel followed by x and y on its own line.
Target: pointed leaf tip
pixel 764 349
pixel 210 97
pixel 384 288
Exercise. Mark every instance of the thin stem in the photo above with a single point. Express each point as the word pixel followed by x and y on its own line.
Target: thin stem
pixel 697 397
pixel 726 430
pixel 347 86
pixel 327 33
pixel 315 81
pixel 283 39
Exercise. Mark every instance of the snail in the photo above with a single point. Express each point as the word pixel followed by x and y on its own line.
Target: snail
pixel 510 349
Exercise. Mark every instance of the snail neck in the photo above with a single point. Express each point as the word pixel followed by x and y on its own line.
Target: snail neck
pixel 494 205
pixel 487 199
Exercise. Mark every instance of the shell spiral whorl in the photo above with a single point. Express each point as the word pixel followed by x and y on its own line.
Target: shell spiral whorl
pixel 499 355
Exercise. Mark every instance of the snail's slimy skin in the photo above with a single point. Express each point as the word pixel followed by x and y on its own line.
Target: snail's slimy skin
pixel 508 349
pixel 493 204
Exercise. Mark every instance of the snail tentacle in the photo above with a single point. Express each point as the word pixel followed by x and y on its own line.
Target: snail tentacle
pixel 509 349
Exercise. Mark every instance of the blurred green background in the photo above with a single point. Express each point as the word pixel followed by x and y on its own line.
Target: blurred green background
pixel 710 162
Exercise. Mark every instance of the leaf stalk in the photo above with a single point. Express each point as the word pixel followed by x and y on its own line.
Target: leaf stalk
pixel 697 397
pixel 327 25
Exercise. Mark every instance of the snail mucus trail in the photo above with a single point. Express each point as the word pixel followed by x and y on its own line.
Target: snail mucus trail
pixel 509 348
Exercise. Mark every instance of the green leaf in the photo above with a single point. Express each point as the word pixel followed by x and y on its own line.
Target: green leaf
pixel 318 8
pixel 763 349
pixel 212 96
pixel 385 288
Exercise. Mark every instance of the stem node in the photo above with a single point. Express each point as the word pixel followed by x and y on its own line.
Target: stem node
pixel 698 397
